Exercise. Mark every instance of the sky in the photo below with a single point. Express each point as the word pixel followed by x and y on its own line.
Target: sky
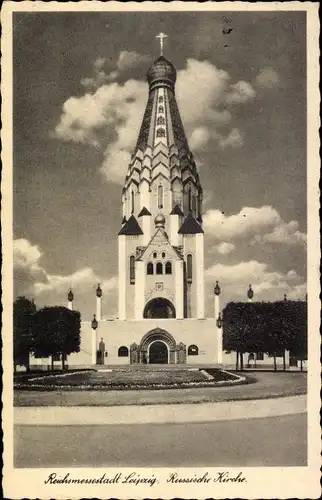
pixel 79 96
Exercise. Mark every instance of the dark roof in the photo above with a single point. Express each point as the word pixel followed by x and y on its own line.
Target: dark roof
pixel 176 210
pixel 123 220
pixel 144 211
pixel 190 226
pixel 131 227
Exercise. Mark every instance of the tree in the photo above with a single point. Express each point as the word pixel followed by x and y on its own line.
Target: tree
pixel 56 332
pixel 23 314
pixel 271 327
pixel 241 331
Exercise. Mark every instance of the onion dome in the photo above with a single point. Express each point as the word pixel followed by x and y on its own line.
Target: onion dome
pixel 250 293
pixel 217 289
pixel 162 71
pixel 70 296
pixel 99 292
pixel 159 221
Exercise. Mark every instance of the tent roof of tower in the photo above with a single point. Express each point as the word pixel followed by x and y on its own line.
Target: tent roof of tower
pixel 190 226
pixel 131 227
pixel 144 211
pixel 176 211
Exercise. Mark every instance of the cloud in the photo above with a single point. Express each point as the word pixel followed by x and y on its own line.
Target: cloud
pixel 109 115
pixel 225 248
pixel 32 279
pixel 129 60
pixel 267 77
pixel 240 92
pixel 234 280
pixel 264 224
pixel 126 61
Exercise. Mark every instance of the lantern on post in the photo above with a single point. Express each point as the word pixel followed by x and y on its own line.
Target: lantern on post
pixel 94 325
pixel 250 294
pixel 285 296
pixel 70 298
pixel 219 321
pixel 99 294
pixel 217 289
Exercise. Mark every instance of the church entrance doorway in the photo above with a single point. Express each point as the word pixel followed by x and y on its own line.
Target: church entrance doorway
pixel 158 353
pixel 159 308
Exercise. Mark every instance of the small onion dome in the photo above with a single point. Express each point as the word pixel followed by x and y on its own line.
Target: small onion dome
pixel 70 296
pixel 94 322
pixel 159 221
pixel 217 289
pixel 162 70
pixel 99 292
pixel 250 293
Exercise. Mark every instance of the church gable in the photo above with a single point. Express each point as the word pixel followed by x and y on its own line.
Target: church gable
pixel 160 243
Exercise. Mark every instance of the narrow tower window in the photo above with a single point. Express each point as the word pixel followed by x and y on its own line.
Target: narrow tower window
pixel 168 268
pixel 160 132
pixel 132 202
pixel 149 268
pixel 161 98
pixel 159 268
pixel 132 270
pixel 161 109
pixel 160 197
pixel 160 120
pixel 189 268
pixel 189 199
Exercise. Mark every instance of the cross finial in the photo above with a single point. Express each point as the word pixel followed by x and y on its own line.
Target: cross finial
pixel 161 36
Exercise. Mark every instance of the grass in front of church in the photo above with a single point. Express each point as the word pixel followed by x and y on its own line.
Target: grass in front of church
pixel 124 379
pixel 269 385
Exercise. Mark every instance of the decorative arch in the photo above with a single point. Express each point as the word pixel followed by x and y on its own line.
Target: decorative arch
pixel 159 308
pixel 160 120
pixel 157 334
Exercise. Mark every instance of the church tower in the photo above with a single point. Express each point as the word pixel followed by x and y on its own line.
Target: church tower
pixel 161 240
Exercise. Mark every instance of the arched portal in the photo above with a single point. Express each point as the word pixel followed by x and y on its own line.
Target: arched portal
pixel 158 346
pixel 159 308
pixel 158 352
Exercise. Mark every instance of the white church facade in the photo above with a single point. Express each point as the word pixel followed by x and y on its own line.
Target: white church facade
pixel 161 315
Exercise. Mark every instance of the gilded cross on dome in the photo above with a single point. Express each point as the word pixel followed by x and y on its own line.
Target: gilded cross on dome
pixel 161 36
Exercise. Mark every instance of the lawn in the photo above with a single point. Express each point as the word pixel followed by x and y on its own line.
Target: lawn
pixel 269 385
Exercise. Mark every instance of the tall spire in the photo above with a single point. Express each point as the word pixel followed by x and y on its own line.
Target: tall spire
pixel 162 172
pixel 161 37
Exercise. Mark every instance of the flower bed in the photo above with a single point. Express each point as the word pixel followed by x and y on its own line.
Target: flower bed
pixel 172 379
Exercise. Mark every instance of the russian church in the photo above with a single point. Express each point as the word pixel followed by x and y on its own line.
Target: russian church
pixel 161 314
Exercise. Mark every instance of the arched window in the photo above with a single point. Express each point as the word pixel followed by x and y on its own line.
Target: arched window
pixel 132 202
pixel 163 255
pixel 160 197
pixel 149 268
pixel 159 268
pixel 193 350
pixel 123 352
pixel 189 268
pixel 160 132
pixel 168 268
pixel 132 270
pixel 161 109
pixel 154 255
pixel 160 120
pixel 161 98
